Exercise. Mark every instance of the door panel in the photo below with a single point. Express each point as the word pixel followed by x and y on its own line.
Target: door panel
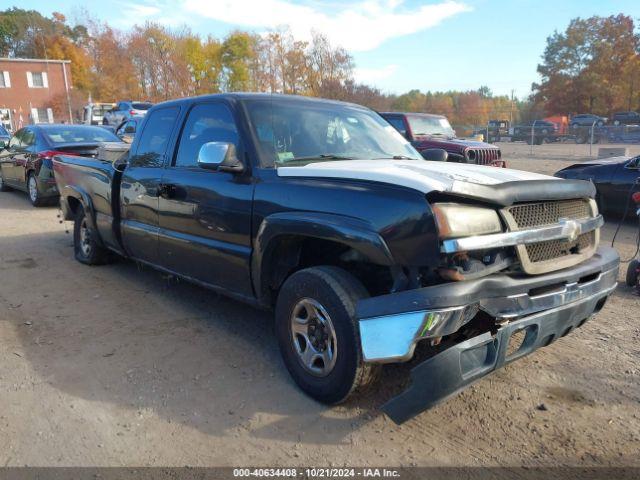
pixel 205 215
pixel 15 149
pixel 205 227
pixel 140 186
pixel 22 159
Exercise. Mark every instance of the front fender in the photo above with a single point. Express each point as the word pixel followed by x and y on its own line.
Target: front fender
pixel 357 234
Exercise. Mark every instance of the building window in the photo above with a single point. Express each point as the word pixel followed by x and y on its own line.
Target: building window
pixel 37 80
pixel 42 115
pixel 5 80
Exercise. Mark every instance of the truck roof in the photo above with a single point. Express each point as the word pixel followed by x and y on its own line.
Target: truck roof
pixel 256 96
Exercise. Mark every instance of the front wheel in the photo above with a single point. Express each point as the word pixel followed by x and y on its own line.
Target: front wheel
pixel 318 334
pixel 632 273
pixel 85 246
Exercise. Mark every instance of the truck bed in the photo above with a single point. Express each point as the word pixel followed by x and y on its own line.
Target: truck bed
pixel 92 180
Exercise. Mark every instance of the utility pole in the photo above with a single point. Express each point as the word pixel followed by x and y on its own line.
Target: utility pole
pixel 511 111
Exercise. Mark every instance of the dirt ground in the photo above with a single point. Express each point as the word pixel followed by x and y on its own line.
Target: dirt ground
pixel 117 365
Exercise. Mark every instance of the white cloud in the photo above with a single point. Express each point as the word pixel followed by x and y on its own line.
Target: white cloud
pixel 373 75
pixel 357 26
pixel 135 13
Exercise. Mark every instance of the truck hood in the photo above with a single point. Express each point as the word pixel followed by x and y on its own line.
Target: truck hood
pixel 495 185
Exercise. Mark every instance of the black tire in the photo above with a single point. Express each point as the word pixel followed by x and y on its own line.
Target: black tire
pixel 86 249
pixel 337 293
pixel 632 273
pixel 35 197
pixel 3 186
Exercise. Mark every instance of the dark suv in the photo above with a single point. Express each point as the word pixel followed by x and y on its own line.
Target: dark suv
pixel 535 131
pixel 626 118
pixel 426 132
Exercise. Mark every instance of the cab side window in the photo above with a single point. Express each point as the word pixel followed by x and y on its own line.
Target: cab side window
pixel 152 147
pixel 207 122
pixel 398 124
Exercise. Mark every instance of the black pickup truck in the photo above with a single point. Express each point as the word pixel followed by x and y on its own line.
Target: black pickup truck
pixel 324 213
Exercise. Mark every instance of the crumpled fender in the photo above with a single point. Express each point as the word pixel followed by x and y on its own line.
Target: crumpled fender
pixel 357 234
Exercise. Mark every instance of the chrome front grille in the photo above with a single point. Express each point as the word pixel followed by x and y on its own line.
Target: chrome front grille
pixel 548 213
pixel 552 255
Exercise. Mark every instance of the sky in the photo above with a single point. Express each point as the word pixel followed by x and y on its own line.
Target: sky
pixel 397 45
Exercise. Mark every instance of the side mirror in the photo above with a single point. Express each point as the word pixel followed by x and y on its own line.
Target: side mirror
pixel 219 156
pixel 435 154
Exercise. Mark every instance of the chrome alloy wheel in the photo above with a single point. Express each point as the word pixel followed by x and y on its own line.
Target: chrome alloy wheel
pixel 33 189
pixel 314 338
pixel 85 238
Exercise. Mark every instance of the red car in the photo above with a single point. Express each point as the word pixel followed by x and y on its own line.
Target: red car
pixel 426 132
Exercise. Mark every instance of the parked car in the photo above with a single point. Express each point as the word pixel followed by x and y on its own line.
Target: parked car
pixel 535 131
pixel 586 120
pixel 25 163
pixel 615 179
pixel 5 136
pixel 427 132
pixel 126 131
pixel 319 210
pixel 125 110
pixel 626 118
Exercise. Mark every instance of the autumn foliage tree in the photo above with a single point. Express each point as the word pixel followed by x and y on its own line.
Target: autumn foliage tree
pixel 592 66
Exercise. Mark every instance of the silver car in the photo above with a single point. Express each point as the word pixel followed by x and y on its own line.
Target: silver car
pixel 125 110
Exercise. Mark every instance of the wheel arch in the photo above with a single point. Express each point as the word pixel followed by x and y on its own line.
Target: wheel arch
pixel 283 239
pixel 76 198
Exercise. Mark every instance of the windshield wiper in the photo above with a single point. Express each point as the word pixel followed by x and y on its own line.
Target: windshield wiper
pixel 316 158
pixel 396 157
pixel 325 156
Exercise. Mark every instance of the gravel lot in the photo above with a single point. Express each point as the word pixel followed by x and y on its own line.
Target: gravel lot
pixel 117 365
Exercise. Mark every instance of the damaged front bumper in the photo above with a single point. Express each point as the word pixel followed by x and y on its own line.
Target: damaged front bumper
pixel 544 306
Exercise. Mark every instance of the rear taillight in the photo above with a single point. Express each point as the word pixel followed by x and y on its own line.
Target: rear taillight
pixel 636 197
pixel 132 112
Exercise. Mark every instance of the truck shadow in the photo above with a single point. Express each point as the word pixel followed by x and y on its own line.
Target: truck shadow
pixel 130 336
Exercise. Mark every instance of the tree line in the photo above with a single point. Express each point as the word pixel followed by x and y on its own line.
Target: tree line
pixel 591 67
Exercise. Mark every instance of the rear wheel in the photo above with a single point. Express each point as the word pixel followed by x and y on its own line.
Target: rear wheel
pixel 318 335
pixel 85 247
pixel 632 273
pixel 34 191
